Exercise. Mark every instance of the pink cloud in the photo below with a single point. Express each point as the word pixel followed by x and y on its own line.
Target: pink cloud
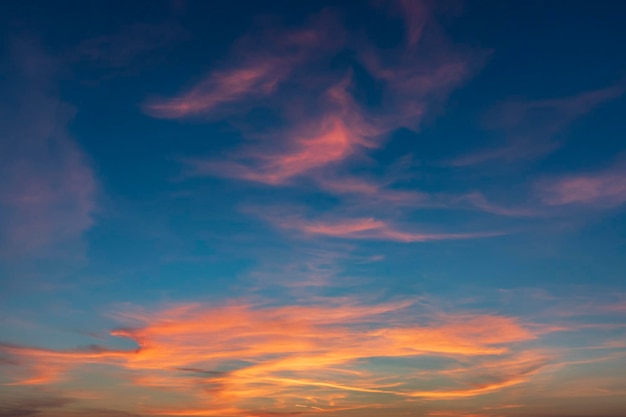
pixel 561 110
pixel 325 132
pixel 602 189
pixel 515 150
pixel 419 74
pixel 371 228
pixel 415 77
pixel 258 64
pixel 478 201
pixel 415 15
pixel 371 192
pixel 223 87
pixel 331 144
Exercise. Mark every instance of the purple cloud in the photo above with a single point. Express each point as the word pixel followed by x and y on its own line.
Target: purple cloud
pixel 47 188
pixel 530 126
pixel 605 188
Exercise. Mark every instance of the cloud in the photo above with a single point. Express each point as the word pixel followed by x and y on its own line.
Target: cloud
pixel 322 126
pixel 371 228
pixel 418 74
pixel 321 355
pixel 477 200
pixel 560 111
pixel 258 64
pixel 27 407
pixel 46 366
pixel 47 188
pixel 321 131
pixel 332 143
pixel 530 126
pixel 221 88
pixel 95 412
pixel 131 42
pixel 602 189
pixel 326 355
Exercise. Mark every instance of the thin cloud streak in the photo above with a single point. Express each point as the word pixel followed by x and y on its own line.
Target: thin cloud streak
pixel 605 188
pixel 529 127
pixel 252 72
pixel 478 201
pixel 371 228
pixel 334 143
pixel 221 88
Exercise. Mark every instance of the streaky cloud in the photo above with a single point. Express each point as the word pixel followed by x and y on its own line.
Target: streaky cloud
pixel 47 187
pixel 243 353
pixel 371 228
pixel 529 127
pixel 252 72
pixel 123 48
pixel 603 189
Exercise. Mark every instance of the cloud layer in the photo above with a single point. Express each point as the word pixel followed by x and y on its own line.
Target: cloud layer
pixel 314 356
pixel 334 355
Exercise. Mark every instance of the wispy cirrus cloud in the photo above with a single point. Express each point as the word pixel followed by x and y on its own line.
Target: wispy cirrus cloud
pixel 47 187
pixel 323 130
pixel 478 201
pixel 325 355
pixel 371 228
pixel 323 125
pixel 256 68
pixel 530 127
pixel 130 43
pixel 319 355
pixel 222 88
pixel 332 143
pixel 605 188
pixel 46 365
pixel 418 74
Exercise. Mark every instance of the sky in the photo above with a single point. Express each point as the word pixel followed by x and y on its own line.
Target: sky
pixel 312 208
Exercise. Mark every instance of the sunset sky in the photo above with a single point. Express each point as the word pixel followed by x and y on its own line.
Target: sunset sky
pixel 284 208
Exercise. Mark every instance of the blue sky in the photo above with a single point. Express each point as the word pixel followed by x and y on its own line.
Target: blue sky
pixel 298 208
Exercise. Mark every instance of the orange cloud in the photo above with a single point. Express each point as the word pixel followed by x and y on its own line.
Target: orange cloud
pixel 46 365
pixel 478 201
pixel 319 356
pixel 245 359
